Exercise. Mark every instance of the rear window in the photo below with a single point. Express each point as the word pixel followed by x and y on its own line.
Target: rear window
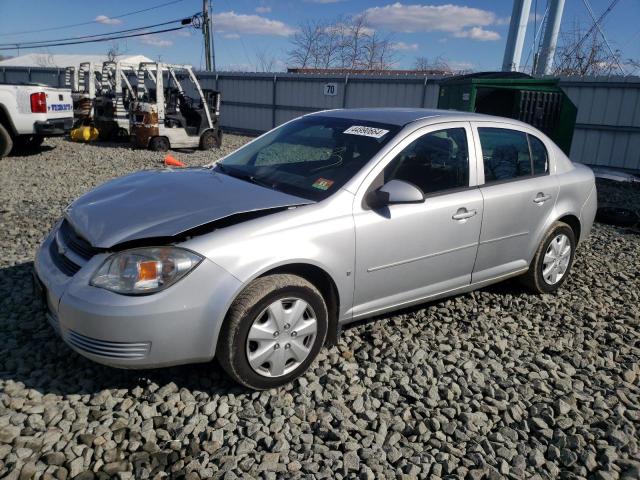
pixel 505 154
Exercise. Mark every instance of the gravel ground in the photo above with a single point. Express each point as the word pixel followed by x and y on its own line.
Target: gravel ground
pixel 498 383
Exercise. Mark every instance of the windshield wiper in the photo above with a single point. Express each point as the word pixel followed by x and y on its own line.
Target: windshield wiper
pixel 244 176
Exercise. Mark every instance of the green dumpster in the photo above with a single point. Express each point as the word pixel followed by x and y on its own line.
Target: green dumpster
pixel 537 101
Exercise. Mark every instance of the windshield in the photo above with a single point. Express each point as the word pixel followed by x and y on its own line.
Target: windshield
pixel 311 157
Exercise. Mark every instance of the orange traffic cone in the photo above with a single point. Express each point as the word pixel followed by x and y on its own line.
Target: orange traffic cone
pixel 171 161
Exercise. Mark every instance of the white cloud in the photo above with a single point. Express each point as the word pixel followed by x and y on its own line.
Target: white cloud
pixel 478 33
pixel 154 41
pixel 461 21
pixel 460 66
pixel 231 36
pixel 226 22
pixel 185 32
pixel 103 19
pixel 263 9
pixel 404 47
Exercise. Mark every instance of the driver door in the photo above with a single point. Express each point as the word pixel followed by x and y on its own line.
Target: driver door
pixel 409 252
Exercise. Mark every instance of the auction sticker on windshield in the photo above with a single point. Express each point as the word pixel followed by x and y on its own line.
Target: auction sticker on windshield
pixel 366 131
pixel 322 184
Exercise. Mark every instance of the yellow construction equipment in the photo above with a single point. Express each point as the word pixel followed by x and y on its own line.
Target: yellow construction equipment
pixel 85 133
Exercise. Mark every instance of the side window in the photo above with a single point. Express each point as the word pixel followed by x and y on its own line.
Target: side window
pixel 434 162
pixel 505 154
pixel 539 156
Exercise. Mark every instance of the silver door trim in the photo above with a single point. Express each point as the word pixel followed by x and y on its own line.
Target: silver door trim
pixel 435 296
pixel 422 257
pixel 497 239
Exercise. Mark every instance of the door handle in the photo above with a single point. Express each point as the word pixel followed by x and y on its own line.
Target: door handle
pixel 463 214
pixel 541 198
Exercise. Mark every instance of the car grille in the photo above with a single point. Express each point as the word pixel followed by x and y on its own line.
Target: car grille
pixel 69 251
pixel 93 346
pixel 76 243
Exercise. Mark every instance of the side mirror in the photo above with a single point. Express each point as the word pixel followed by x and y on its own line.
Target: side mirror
pixel 395 191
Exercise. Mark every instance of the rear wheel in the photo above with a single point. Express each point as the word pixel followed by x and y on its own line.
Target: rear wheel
pixel 159 144
pixel 6 143
pixel 210 139
pixel 273 331
pixel 553 259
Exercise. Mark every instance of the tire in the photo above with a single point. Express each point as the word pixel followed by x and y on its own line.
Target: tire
pixel 159 144
pixel 6 143
pixel 535 279
pixel 252 308
pixel 210 140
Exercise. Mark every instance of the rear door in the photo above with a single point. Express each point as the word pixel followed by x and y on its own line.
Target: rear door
pixel 519 193
pixel 409 252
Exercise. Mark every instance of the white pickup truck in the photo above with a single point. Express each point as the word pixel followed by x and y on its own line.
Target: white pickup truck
pixel 31 112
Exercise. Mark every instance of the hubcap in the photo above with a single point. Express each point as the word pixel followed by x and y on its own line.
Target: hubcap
pixel 281 337
pixel 556 259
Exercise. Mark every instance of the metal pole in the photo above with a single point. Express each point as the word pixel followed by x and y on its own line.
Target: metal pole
pixel 212 48
pixel 550 39
pixel 517 32
pixel 205 35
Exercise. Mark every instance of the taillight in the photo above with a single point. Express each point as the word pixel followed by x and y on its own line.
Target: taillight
pixel 39 102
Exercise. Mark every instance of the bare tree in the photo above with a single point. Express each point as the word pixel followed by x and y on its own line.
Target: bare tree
pixel 347 43
pixel 114 52
pixel 437 64
pixel 580 53
pixel 306 44
pixel 265 60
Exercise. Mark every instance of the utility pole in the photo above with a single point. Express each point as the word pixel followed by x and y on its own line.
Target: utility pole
pixel 517 32
pixel 207 35
pixel 550 39
pixel 211 46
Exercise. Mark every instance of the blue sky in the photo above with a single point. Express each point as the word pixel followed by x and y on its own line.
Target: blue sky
pixel 468 33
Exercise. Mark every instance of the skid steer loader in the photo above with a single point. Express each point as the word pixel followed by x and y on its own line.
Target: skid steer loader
pixel 163 118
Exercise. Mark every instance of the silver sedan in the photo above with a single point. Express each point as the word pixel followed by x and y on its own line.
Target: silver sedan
pixel 262 257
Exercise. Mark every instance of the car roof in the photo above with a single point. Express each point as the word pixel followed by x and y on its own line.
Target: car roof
pixel 404 116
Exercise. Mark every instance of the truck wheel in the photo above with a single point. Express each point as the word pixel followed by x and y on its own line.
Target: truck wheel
pixel 209 140
pixel 273 331
pixel 159 144
pixel 552 262
pixel 6 143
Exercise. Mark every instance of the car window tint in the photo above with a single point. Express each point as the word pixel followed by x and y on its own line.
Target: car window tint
pixel 505 154
pixel 434 162
pixel 539 156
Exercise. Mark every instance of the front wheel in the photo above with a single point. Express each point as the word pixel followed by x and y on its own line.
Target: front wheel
pixel 210 139
pixel 553 260
pixel 159 144
pixel 273 331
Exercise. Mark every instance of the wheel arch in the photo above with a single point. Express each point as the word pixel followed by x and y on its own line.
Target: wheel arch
pixel 5 120
pixel 574 222
pixel 317 276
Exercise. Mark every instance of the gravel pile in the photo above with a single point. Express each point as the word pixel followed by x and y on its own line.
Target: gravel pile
pixel 494 384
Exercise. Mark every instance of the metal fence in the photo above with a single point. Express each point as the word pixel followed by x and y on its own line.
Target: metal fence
pixel 607 130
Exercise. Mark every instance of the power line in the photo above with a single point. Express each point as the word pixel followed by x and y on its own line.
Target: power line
pixel 98 39
pixel 82 37
pixel 597 25
pixel 89 22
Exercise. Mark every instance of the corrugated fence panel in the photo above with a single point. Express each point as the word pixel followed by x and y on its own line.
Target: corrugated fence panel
pixel 607 128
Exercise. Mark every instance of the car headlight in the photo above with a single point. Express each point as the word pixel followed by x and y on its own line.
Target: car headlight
pixel 144 270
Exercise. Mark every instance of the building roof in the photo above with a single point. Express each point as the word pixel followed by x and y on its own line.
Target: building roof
pixel 55 60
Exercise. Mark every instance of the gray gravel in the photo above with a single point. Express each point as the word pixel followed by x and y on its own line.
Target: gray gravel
pixel 498 383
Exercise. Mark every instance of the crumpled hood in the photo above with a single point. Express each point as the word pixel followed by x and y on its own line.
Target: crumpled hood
pixel 164 203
